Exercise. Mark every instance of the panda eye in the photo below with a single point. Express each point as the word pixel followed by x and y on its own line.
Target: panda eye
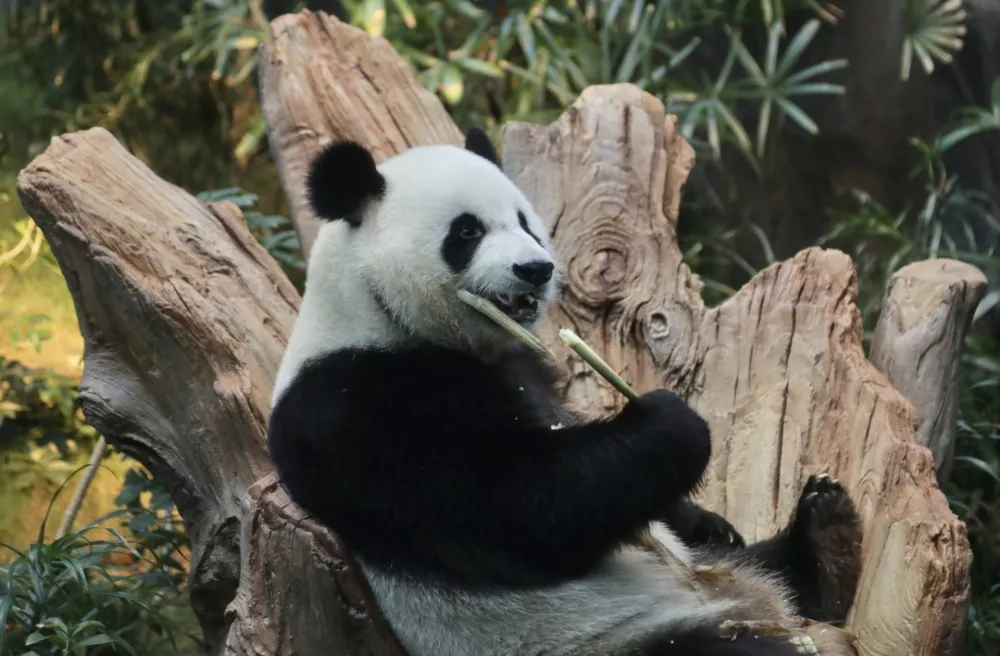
pixel 471 232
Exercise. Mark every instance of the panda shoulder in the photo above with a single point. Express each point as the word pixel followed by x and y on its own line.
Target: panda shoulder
pixel 369 378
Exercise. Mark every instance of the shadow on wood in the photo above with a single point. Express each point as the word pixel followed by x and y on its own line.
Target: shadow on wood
pixel 185 317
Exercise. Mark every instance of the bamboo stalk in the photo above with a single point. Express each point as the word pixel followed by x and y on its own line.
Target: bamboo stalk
pixel 595 361
pixel 505 322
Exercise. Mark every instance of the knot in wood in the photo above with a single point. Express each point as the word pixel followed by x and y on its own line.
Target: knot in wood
pixel 658 325
pixel 602 277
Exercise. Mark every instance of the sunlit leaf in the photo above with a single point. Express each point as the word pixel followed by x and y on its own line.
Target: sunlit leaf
pixel 935 29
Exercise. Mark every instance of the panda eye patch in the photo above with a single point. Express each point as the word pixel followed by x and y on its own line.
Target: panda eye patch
pixel 523 221
pixel 464 235
pixel 467 226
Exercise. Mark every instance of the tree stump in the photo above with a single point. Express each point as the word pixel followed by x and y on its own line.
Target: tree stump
pixel 185 317
pixel 926 314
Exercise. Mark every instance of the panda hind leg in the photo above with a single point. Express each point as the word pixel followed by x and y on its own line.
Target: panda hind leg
pixel 819 553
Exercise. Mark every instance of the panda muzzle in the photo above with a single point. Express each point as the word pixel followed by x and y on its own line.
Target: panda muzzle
pixel 519 307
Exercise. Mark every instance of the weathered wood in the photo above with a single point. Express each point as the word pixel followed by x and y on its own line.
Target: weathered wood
pixel 778 370
pixel 185 317
pixel 322 79
pixel 926 313
pixel 300 590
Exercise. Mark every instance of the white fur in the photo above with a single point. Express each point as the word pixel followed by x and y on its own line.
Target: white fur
pixel 396 251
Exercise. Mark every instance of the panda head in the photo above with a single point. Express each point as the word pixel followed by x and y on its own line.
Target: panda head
pixel 426 223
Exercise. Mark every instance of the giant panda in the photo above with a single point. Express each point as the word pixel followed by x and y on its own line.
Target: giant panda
pixel 488 519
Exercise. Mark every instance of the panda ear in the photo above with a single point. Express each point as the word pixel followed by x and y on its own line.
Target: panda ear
pixel 477 142
pixel 342 180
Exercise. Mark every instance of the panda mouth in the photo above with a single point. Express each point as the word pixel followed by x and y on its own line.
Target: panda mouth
pixel 519 307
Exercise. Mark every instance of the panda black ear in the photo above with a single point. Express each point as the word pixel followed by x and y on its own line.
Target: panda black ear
pixel 342 180
pixel 480 144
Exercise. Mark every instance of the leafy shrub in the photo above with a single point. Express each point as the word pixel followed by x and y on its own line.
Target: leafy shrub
pixel 974 488
pixel 275 233
pixel 38 407
pixel 92 591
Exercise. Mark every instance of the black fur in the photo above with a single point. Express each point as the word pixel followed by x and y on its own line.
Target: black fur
pixel 702 641
pixel 434 461
pixel 818 554
pixel 523 220
pixel 698 527
pixel 479 143
pixel 431 460
pixel 464 235
pixel 342 180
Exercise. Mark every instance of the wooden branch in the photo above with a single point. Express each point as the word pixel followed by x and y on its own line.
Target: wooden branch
pixel 300 591
pixel 926 314
pixel 80 493
pixel 184 318
pixel 778 370
pixel 322 79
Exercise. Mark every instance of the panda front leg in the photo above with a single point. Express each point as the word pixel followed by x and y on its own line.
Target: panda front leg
pixel 819 552
pixel 697 527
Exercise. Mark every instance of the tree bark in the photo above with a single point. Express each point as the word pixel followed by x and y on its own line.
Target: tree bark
pixel 777 370
pixel 926 314
pixel 321 80
pixel 185 317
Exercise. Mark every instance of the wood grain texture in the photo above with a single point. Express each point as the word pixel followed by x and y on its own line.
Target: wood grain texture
pixel 185 318
pixel 322 79
pixel 926 314
pixel 300 591
pixel 778 370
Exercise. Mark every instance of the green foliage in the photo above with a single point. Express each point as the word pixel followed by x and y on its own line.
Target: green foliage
pixel 38 407
pixel 934 30
pixel 155 528
pixel 91 592
pixel 973 120
pixel 166 76
pixel 536 59
pixel 974 488
pixel 945 221
pixel 275 233
pixel 22 255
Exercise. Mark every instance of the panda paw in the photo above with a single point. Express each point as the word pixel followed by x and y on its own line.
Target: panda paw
pixel 823 503
pixel 826 533
pixel 713 530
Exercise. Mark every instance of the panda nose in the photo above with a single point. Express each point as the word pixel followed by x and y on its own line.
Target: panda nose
pixel 535 273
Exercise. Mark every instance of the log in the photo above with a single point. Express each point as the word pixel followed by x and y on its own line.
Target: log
pixel 170 290
pixel 926 313
pixel 184 318
pixel 359 89
pixel 778 370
